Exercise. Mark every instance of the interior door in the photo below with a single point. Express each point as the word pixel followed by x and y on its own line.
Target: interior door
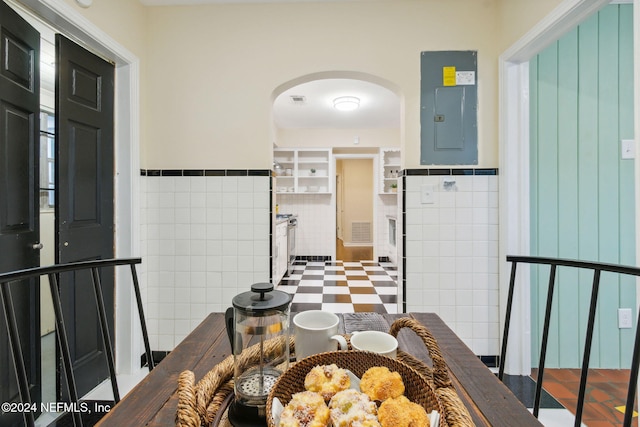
pixel 19 193
pixel 339 204
pixel 84 200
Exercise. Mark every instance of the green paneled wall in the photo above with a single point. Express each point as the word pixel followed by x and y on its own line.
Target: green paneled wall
pixel 582 192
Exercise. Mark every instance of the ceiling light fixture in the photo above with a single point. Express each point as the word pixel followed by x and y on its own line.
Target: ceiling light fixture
pixel 346 103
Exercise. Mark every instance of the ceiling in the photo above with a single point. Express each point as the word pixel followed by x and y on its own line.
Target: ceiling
pixel 379 107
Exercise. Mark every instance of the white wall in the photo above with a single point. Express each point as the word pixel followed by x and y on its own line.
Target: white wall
pixel 338 138
pixel 206 239
pixel 209 71
pixel 220 64
pixel 452 256
pixel 518 16
pixel 47 257
pixel 315 235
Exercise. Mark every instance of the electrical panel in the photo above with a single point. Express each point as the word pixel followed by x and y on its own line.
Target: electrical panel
pixel 448 108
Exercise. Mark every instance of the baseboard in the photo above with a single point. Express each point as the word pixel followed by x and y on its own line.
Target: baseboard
pixel 156 355
pixel 316 258
pixel 524 388
pixel 490 361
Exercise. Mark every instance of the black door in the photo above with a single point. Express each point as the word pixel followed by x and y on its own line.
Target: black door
pixel 19 193
pixel 84 200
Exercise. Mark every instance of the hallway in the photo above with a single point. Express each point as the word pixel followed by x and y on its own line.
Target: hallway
pixel 353 253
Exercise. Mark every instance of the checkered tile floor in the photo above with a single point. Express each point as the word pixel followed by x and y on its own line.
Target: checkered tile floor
pixel 343 287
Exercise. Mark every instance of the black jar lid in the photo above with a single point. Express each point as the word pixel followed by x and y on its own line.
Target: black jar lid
pixel 262 300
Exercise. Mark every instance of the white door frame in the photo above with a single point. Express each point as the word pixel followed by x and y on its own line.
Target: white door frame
pixel 514 162
pixel 376 178
pixel 71 23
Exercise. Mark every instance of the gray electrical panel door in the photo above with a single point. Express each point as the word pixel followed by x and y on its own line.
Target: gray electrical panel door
pixel 448 108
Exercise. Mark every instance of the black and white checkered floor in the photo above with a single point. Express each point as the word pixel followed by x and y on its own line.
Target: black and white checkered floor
pixel 343 287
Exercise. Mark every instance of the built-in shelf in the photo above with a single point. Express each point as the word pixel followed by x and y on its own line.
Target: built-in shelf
pixel 390 170
pixel 296 175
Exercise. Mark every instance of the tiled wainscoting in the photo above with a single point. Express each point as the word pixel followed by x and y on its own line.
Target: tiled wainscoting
pixel 450 257
pixel 204 240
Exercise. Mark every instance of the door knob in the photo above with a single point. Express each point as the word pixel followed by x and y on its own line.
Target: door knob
pixel 37 246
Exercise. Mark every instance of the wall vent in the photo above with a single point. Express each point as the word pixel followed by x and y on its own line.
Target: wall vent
pixel 360 232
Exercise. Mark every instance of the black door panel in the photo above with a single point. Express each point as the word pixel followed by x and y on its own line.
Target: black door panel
pixel 84 200
pixel 19 193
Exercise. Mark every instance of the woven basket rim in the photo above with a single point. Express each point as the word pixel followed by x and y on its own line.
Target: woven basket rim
pixel 348 359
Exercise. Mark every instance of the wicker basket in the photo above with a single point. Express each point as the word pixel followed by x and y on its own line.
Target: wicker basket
pixel 455 412
pixel 202 403
pixel 417 389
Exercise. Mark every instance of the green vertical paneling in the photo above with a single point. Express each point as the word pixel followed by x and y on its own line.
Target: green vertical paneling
pixel 627 206
pixel 569 344
pixel 582 194
pixel 608 191
pixel 588 165
pixel 548 177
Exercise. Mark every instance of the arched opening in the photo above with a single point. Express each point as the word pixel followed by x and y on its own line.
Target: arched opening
pixel 342 214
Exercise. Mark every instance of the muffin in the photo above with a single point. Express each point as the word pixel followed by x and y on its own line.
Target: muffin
pixel 351 408
pixel 327 380
pixel 305 409
pixel 379 383
pixel 401 412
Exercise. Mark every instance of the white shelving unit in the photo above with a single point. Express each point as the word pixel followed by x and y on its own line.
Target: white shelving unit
pixel 285 181
pixel 297 164
pixel 391 167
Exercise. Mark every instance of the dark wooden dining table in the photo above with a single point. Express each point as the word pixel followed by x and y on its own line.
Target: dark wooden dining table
pixel 153 401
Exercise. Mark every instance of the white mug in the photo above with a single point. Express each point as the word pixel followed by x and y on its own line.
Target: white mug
pixel 316 331
pixel 375 341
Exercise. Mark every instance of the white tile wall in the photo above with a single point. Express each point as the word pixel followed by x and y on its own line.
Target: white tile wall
pixel 452 256
pixel 142 270
pixel 316 222
pixel 386 206
pixel 205 239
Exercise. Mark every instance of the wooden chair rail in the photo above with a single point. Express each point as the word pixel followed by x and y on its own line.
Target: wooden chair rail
pixel 53 273
pixel 597 269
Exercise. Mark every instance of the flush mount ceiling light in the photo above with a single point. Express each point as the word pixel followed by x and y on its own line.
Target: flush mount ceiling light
pixel 84 3
pixel 346 103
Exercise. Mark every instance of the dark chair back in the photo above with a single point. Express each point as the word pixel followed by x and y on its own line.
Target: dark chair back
pixel 597 269
pixel 53 272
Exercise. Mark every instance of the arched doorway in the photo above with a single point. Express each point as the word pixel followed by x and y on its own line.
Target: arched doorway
pixel 305 118
pixel 309 129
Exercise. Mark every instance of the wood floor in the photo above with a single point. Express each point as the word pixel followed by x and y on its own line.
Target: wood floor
pixel 606 394
pixel 353 253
